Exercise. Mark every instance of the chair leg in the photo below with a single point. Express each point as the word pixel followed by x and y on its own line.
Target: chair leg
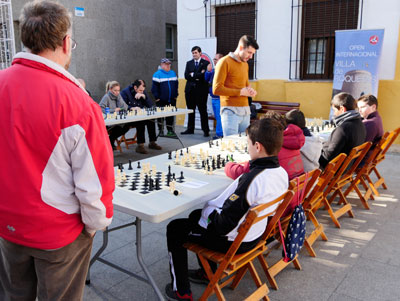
pixel 265 267
pixel 331 213
pixel 318 231
pixel 361 197
pixel 381 179
pixel 238 277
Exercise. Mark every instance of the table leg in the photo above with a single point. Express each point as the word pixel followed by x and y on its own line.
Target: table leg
pixel 140 259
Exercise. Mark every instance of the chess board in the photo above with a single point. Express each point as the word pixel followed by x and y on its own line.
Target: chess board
pixel 146 182
pixel 211 156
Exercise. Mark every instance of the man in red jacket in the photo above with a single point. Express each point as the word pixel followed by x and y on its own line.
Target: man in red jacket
pixel 56 175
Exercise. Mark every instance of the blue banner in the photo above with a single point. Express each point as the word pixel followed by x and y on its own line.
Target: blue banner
pixel 357 54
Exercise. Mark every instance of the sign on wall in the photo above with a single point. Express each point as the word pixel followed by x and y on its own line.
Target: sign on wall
pixel 79 11
pixel 357 54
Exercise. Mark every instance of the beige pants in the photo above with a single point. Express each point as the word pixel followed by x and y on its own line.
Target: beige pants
pixel 27 273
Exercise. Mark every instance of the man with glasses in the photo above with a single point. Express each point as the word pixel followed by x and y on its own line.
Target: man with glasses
pixel 56 175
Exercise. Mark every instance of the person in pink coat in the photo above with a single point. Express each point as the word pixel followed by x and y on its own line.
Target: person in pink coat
pixel 289 156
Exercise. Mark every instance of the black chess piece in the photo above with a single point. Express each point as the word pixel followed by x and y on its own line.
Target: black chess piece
pixel 173 177
pixel 203 164
pixel 169 170
pixel 151 184
pixel 223 163
pixel 130 165
pixel 169 155
pixel 133 186
pixel 187 150
pixel 216 143
pixel 138 165
pixel 181 153
pixel 146 181
pixel 158 184
pixel 181 177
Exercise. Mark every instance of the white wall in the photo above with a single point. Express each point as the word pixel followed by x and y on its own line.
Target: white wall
pixel 384 14
pixel 190 23
pixel 273 33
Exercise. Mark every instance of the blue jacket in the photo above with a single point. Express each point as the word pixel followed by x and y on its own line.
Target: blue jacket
pixel 128 94
pixel 209 76
pixel 165 85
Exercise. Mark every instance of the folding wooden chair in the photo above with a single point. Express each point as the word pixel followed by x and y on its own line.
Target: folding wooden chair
pixel 343 177
pixel 276 268
pixel 314 200
pixel 362 174
pixel 234 264
pixel 127 141
pixel 373 187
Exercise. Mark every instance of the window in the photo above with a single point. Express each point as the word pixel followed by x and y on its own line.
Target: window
pixel 170 41
pixel 313 46
pixel 232 20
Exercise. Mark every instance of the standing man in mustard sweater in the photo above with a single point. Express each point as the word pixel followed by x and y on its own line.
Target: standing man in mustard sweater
pixel 231 83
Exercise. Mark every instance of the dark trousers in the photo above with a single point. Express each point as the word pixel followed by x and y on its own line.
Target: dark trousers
pixel 140 128
pixel 180 231
pixel 116 131
pixel 197 98
pixel 168 120
pixel 27 273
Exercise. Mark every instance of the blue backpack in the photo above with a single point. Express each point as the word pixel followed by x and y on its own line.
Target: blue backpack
pixel 296 230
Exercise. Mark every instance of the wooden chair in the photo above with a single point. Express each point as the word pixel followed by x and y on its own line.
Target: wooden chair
pixel 362 174
pixel 317 197
pixel 127 141
pixel 373 187
pixel 342 178
pixel 276 268
pixel 236 265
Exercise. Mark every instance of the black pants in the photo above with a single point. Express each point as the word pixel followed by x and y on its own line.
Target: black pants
pixel 168 120
pixel 118 130
pixel 140 128
pixel 197 98
pixel 180 231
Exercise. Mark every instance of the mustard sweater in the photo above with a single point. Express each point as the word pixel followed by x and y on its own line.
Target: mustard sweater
pixel 230 77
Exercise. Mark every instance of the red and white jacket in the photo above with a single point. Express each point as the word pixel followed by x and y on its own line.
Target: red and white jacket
pixel 56 166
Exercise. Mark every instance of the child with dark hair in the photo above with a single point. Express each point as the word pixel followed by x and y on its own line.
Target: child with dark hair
pixel 289 156
pixel 311 150
pixel 216 225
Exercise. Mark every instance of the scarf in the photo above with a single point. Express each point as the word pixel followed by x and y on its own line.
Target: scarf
pixel 348 115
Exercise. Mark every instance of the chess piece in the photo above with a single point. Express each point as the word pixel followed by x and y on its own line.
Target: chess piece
pixel 158 184
pixel 182 177
pixel 130 165
pixel 169 155
pixel 138 165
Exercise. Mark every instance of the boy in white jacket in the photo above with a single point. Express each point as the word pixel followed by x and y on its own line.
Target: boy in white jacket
pixel 215 227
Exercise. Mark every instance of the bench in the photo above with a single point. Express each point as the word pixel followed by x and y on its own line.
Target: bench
pixel 280 107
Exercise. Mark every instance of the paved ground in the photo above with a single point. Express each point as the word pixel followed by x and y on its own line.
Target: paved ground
pixel 360 261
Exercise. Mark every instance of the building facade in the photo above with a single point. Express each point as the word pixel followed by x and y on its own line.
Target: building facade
pixel 117 40
pixel 296 39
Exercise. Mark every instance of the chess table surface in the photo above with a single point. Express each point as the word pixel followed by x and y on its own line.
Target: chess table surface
pixel 134 118
pixel 160 205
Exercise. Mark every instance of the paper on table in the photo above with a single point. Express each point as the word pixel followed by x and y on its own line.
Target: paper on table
pixel 193 184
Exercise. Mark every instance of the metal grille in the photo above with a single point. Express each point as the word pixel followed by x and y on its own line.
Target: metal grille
pixel 228 20
pixel 312 38
pixel 7 44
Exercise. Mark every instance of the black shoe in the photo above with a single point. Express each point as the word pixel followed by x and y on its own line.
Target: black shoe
pixel 206 134
pixel 174 295
pixel 187 132
pixel 198 276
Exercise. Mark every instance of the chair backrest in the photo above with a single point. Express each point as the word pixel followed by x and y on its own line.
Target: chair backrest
pixel 376 154
pixel 391 137
pixel 285 199
pixel 352 161
pixel 253 217
pixel 324 179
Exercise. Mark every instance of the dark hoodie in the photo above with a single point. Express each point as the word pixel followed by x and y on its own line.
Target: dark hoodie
pixel 350 132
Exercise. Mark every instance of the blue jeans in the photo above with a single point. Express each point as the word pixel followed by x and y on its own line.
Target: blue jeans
pixel 233 124
pixel 217 114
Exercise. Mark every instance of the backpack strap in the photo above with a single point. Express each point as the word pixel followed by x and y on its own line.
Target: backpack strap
pixel 286 259
pixel 299 198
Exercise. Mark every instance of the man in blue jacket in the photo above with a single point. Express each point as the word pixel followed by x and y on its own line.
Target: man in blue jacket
pixel 165 92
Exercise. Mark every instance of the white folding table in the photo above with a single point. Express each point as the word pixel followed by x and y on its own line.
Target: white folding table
pixel 161 205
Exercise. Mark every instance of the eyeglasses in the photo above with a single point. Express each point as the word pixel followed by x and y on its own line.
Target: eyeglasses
pixel 73 42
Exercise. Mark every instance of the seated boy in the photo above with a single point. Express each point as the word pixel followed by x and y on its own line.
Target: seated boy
pixel 289 156
pixel 215 227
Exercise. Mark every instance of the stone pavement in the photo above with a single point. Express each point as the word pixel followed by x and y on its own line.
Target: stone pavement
pixel 360 261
